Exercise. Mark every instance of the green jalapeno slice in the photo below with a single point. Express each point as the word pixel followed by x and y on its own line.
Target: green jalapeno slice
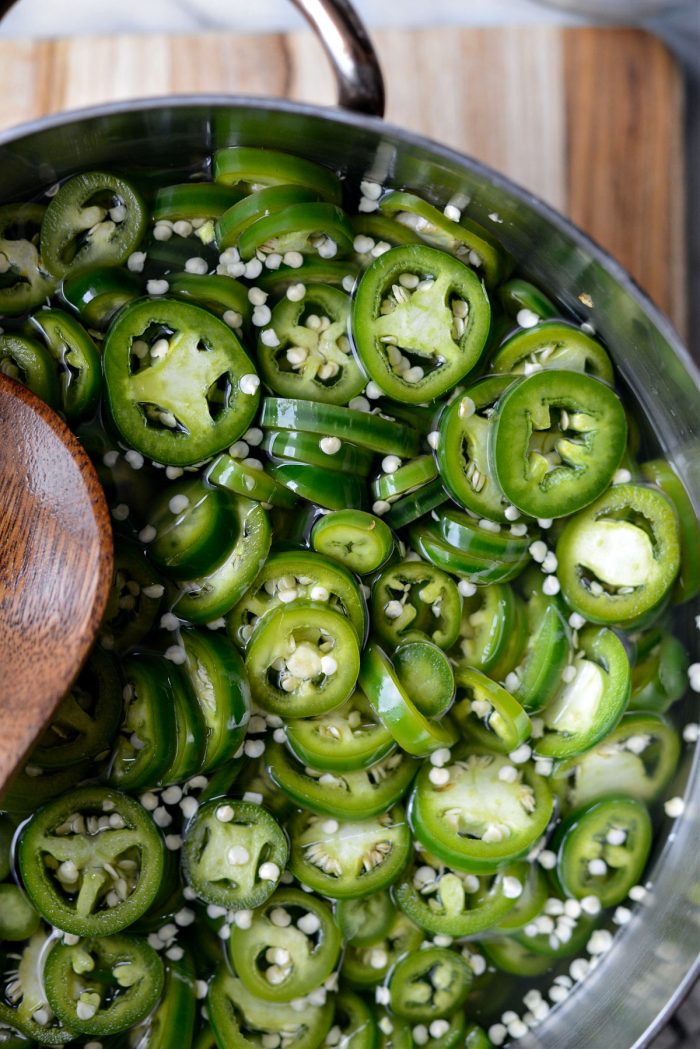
pixel 364 920
pixel 302 660
pixel 553 344
pixel 348 859
pixel 665 477
pixel 178 383
pixel 303 959
pixel 489 713
pixel 99 294
pixel 91 861
pixel 26 361
pixel 429 984
pixel 413 598
pixel 94 219
pixel 447 902
pixel 419 322
pixel 103 986
pixel 475 820
pixel 556 440
pixel 254 169
pixel 241 1020
pixel 660 672
pixel 360 541
pixel 346 739
pixel 619 558
pixel 364 428
pixel 234 853
pixel 602 849
pixel 367 966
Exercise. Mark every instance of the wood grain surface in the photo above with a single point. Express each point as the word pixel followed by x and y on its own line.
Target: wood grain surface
pixel 590 119
pixel 55 565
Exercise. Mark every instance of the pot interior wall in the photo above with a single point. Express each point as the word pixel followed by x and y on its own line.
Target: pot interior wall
pixel 635 983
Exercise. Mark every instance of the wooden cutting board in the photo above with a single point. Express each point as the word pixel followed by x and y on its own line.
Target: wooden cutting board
pixel 590 119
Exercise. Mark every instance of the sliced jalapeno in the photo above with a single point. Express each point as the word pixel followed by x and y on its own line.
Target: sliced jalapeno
pixel 91 861
pixel 663 475
pixel 489 713
pixel 660 673
pixel 360 541
pixel 254 169
pixel 190 522
pixel 194 200
pixel 98 294
pixel 451 903
pixel 294 446
pixel 553 345
pixel 250 481
pixel 24 280
pixel 346 739
pixel 557 439
pixel 364 920
pixel 415 599
pixel 366 966
pixel 241 1019
pixel 363 428
pixel 425 674
pixel 25 360
pixel 517 294
pixel 419 322
pixel 429 984
pixel 94 219
pixel 310 229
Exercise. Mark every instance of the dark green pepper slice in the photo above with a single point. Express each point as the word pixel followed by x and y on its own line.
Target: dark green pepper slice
pixel 99 294
pixel 179 385
pixel 360 541
pixel 355 1022
pixel 476 821
pixel 407 478
pixel 488 712
pixel 146 746
pixel 291 575
pixel 234 853
pixel 257 205
pixel 556 440
pixel 91 861
pixel 426 540
pixel 425 674
pixel 24 281
pixel 420 321
pixel 590 705
pixel 413 598
pixel 217 679
pixel 344 860
pixel 311 357
pixel 517 294
pixel 462 449
pixel 465 239
pixel 309 229
pixel 302 660
pixel 254 169
pixel 548 647
pixel 134 600
pixel 414 733
pixel 366 966
pixel 363 428
pixel 294 446
pixel 25 360
pixel 409 508
pixel 211 595
pixel 309 957
pixel 241 1019
pixel 323 487
pixel 429 984
pixel 553 345
pixel 346 739
pixel 219 294
pixel 488 625
pixel 248 480
pixel 603 848
pixel 94 219
pixel 355 795
pixel 619 558
pixel 191 522
pixel 512 957
pixel 103 986
pixel 194 200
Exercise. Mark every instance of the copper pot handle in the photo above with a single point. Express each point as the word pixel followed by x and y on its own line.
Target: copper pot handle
pixel 349 49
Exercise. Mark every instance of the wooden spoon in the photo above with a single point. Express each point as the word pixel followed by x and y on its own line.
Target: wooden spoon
pixel 55 566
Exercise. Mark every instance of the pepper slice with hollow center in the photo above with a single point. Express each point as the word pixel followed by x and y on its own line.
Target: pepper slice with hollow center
pixel 556 441
pixel 420 321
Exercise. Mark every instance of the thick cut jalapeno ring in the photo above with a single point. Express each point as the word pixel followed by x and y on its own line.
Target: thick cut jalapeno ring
pixel 232 851
pixel 429 983
pixel 420 322
pixel 173 1021
pixel 220 294
pixel 602 849
pixel 414 599
pixel 145 747
pixel 236 219
pixel 367 966
pixel 619 558
pixel 489 621
pixel 78 850
pixel 241 1020
pixel 26 361
pixel 103 986
pixel 364 920
pixel 477 821
pixel 94 219
pixel 248 480
pixel 302 660
pixel 426 540
pixel 179 385
pixel 294 446
pixel 415 733
pixel 557 439
pixel 313 357
pixel 517 294
pixel 425 674
pixel 191 522
pixel 462 449
pixel 310 229
pixel 547 646
pixel 309 958
pixel 193 200
pixel 99 294
pixel 349 859
pixel 590 705
pixel 553 344
pixel 355 795
pixel 330 420
pixel 360 541
pixel 77 361
pixel 663 475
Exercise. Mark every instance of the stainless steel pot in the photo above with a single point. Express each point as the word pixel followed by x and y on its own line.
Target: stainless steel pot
pixel 654 959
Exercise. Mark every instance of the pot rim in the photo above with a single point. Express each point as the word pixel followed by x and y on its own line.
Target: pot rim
pixel 452 156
